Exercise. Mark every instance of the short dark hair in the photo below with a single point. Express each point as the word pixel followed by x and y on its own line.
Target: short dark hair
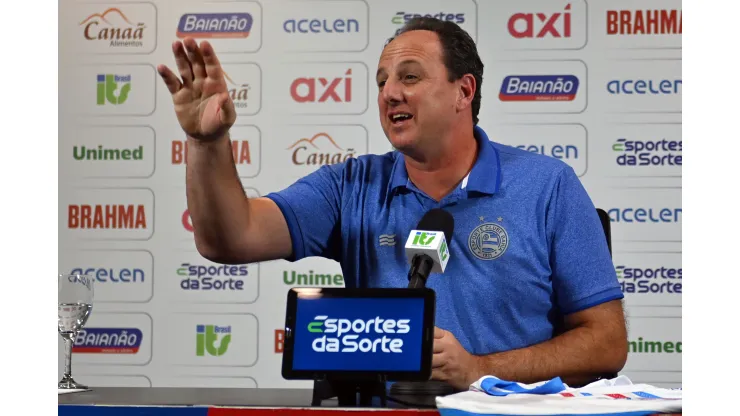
pixel 460 54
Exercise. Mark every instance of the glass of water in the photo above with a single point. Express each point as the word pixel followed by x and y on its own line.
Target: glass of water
pixel 75 306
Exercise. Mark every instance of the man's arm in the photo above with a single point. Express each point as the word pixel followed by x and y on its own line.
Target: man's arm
pixel 594 343
pixel 229 228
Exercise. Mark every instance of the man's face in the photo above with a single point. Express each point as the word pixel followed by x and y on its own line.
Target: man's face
pixel 417 103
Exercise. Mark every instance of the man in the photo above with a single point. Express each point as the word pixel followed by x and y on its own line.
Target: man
pixel 530 292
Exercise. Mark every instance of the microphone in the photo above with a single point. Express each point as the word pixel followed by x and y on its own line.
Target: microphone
pixel 426 248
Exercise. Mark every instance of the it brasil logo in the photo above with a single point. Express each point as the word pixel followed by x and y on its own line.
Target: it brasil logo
pixel 425 239
pixel 212 339
pixel 346 333
pixel 108 91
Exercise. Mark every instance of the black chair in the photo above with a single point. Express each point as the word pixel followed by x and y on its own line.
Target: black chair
pixel 607 226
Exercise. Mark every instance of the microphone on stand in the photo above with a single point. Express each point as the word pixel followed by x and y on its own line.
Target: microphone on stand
pixel 427 247
pixel 427 251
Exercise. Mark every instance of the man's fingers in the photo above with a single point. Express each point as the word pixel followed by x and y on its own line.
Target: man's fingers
pixel 438 374
pixel 170 79
pixel 196 58
pixel 437 347
pixel 183 64
pixel 213 66
pixel 438 360
pixel 438 332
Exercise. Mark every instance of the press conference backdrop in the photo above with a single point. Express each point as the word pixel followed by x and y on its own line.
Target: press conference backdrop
pixel 301 76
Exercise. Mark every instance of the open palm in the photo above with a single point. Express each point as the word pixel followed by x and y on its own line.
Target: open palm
pixel 202 102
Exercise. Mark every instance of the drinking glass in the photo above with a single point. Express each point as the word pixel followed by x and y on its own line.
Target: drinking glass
pixel 75 306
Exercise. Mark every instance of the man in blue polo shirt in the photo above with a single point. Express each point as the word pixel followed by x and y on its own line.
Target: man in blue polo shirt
pixel 530 292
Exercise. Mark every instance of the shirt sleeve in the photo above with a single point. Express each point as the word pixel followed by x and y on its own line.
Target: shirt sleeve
pixel 311 207
pixel 583 271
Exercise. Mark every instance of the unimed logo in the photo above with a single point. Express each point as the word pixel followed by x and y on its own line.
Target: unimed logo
pixel 641 346
pixel 357 334
pixel 540 25
pixel 131 216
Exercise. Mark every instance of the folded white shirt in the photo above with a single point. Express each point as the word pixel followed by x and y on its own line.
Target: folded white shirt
pixel 619 396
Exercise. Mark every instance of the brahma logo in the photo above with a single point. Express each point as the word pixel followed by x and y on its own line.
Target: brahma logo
pixel 215 25
pixel 105 216
pixel 108 341
pixel 644 22
pixel 114 28
pixel 525 26
pixel 239 149
pixel 539 88
pixel 320 149
pixel 347 333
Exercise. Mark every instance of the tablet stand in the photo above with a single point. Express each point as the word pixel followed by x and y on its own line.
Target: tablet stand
pixel 346 391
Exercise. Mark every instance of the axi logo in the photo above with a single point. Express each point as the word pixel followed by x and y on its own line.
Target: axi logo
pixel 215 25
pixel 320 149
pixel 106 216
pixel 525 26
pixel 212 339
pixel 223 277
pixel 311 90
pixel 644 22
pixel 648 152
pixel 108 341
pixel 239 149
pixel 108 85
pixel 539 88
pixel 114 27
pixel 347 333
pixel 423 238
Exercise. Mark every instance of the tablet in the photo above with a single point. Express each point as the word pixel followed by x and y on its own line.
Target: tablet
pixel 359 334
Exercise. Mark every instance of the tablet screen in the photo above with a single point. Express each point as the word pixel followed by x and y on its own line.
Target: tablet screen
pixel 355 331
pixel 362 334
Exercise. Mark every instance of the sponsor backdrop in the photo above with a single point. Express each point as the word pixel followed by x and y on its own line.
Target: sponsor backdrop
pixel 594 83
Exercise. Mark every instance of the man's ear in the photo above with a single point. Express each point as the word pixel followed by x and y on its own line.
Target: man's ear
pixel 466 91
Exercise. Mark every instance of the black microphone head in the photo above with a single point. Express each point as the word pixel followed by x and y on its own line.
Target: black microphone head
pixel 438 219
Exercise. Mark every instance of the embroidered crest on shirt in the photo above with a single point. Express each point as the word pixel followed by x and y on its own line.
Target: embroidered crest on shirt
pixel 489 240
pixel 387 240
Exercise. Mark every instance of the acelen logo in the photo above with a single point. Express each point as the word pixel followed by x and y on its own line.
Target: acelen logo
pixel 321 89
pixel 312 25
pixel 540 25
pixel 114 28
pixel 644 22
pixel 320 149
pixel 347 333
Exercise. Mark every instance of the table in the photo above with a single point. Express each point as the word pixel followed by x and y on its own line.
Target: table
pixel 170 401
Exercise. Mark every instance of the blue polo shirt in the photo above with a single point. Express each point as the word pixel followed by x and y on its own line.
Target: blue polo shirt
pixel 527 247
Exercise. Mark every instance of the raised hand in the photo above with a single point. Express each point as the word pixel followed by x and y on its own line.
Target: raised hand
pixel 202 102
